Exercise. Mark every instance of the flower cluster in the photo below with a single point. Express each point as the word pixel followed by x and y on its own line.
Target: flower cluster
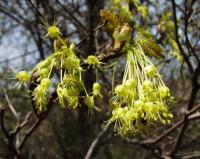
pixel 70 86
pixel 65 60
pixel 89 99
pixel 68 90
pixel 142 99
pixel 40 94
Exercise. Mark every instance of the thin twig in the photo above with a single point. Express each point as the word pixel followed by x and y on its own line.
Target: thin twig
pixel 190 156
pixel 11 107
pixel 41 118
pixel 89 33
pixel 23 124
pixel 95 143
pixel 71 15
pixel 188 44
pixel 177 37
pixel 195 89
pixel 168 131
pixel 29 133
pixel 29 2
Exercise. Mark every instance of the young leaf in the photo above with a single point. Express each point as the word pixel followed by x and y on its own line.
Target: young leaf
pixel 150 48
pixel 112 20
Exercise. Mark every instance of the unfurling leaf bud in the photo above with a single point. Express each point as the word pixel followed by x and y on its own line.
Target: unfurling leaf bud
pixel 123 33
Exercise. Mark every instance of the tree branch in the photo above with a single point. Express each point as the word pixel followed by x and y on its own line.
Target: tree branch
pixel 89 33
pixel 23 124
pixel 10 105
pixel 95 143
pixel 161 137
pixel 6 133
pixel 71 15
pixel 185 57
pixel 41 118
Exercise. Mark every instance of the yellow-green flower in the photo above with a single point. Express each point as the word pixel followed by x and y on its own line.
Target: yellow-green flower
pixel 40 94
pixel 96 89
pixel 53 32
pixel 89 102
pixel 23 77
pixel 93 60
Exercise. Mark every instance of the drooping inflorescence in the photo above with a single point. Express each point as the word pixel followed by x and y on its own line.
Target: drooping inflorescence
pixel 142 100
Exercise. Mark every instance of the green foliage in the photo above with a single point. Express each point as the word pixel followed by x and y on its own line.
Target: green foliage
pixel 123 9
pixel 122 33
pixel 166 27
pixel 150 48
pixel 111 20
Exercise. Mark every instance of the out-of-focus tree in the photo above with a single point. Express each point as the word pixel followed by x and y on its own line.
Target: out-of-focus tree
pixel 63 133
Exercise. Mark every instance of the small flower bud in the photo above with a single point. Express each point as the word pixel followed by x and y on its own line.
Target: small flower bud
pixel 163 121
pixel 130 83
pixel 147 85
pixel 170 115
pixel 164 91
pixel 92 60
pixel 96 89
pixel 43 72
pixel 67 51
pixel 118 113
pixel 72 63
pixel 53 32
pixel 89 101
pixel 72 102
pixel 43 64
pixel 46 82
pixel 119 90
pixel 23 76
pixel 168 121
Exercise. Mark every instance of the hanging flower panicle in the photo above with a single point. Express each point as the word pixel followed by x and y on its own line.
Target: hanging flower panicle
pixel 142 100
